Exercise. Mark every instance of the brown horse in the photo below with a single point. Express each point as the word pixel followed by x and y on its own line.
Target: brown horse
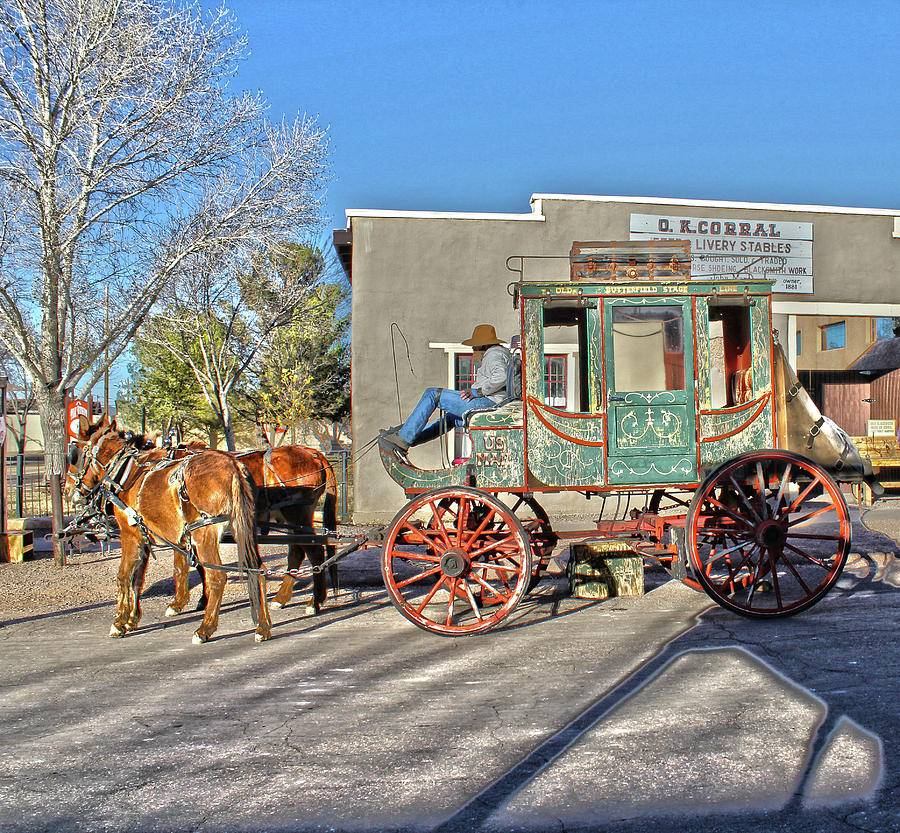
pixel 187 502
pixel 290 481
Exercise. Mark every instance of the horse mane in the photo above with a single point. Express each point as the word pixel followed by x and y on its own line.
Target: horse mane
pixel 140 441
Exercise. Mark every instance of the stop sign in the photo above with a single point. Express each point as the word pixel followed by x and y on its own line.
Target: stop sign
pixel 76 409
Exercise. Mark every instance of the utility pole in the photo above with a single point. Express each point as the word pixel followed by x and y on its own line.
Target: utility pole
pixel 106 356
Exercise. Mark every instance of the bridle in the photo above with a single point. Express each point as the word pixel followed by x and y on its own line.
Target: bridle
pixel 109 474
pixel 81 457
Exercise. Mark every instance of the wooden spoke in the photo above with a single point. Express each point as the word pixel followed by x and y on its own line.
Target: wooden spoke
pixel 478 555
pixel 431 594
pixel 418 577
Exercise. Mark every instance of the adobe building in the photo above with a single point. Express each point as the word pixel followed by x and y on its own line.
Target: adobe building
pixel 422 280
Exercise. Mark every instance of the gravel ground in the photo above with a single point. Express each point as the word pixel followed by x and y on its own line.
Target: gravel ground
pixel 38 586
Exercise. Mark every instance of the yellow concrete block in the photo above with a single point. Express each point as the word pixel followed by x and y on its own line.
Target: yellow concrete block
pixel 17 546
pixel 609 564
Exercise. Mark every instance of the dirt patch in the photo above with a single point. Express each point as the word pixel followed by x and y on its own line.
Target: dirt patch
pixel 89 578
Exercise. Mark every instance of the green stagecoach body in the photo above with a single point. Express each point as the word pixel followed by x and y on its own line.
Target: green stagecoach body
pixel 675 377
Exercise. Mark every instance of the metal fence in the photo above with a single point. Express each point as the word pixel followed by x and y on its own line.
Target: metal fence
pixel 28 491
pixel 340 462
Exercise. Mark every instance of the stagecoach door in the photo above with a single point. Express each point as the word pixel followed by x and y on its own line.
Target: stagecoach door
pixel 650 407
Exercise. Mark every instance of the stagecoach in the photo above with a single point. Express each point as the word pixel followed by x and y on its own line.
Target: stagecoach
pixel 691 431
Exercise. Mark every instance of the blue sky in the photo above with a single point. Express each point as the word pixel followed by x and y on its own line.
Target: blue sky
pixel 474 106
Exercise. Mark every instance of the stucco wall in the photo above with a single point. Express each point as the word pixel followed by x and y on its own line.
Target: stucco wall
pixel 436 277
pixel 435 280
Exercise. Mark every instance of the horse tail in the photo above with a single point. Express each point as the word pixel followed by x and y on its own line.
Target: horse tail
pixel 329 520
pixel 243 526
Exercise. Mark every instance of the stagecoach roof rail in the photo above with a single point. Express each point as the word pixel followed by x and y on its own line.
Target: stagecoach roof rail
pixel 734 275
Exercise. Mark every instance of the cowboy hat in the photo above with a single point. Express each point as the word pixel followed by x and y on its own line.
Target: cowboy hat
pixel 484 335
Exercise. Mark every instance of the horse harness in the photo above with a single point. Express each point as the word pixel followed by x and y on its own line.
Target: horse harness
pixel 115 479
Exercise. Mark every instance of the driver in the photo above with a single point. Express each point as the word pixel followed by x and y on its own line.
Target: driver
pixel 488 390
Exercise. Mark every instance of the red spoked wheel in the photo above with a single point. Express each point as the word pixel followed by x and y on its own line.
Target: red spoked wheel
pixel 456 561
pixel 540 532
pixel 768 534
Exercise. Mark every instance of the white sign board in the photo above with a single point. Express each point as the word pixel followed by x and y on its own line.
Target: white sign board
pixel 729 247
pixel 882 428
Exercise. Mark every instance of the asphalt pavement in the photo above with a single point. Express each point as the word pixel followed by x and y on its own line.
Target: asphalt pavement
pixel 652 713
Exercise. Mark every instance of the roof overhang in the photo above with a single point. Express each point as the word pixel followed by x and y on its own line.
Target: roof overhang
pixel 342 239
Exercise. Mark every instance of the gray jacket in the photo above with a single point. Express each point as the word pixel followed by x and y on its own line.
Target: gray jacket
pixel 490 378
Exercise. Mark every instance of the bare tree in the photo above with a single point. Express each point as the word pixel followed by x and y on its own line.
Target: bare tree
pixel 123 155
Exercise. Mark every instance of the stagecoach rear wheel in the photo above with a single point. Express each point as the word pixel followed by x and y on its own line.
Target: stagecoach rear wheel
pixel 768 533
pixel 456 561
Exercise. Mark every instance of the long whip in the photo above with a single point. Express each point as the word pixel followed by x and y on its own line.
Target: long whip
pixel 394 325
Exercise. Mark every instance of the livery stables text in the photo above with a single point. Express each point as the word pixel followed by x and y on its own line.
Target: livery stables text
pixel 781 251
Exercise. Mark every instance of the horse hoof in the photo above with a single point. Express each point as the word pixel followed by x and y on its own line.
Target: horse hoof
pixel 274 605
pixel 261 637
pixel 116 632
pixel 172 611
pixel 199 639
pixel 312 610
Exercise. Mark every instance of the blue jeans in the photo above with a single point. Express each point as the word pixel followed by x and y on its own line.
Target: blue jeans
pixel 415 431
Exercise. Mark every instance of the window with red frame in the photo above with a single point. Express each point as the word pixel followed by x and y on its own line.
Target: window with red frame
pixel 555 388
pixel 555 377
pixel 463 371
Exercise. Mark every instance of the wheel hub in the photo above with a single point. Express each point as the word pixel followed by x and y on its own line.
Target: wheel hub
pixel 454 562
pixel 771 535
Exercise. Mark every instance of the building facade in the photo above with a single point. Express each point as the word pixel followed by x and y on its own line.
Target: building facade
pixel 423 280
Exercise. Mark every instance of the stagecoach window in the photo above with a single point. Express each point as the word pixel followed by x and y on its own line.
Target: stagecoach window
pixel 730 356
pixel 648 348
pixel 566 325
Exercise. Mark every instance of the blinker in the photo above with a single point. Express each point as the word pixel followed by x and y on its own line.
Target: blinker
pixel 74 454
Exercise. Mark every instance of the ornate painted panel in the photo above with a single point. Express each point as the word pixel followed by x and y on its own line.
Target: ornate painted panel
pixel 761 330
pixel 564 449
pixel 497 463
pixel 725 434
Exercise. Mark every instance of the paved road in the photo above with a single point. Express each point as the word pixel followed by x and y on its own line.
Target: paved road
pixel 656 713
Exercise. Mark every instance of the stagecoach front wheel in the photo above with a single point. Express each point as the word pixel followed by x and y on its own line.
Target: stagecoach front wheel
pixel 456 561
pixel 768 533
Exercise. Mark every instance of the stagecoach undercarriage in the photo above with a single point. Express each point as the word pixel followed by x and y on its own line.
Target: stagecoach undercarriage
pixel 766 535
